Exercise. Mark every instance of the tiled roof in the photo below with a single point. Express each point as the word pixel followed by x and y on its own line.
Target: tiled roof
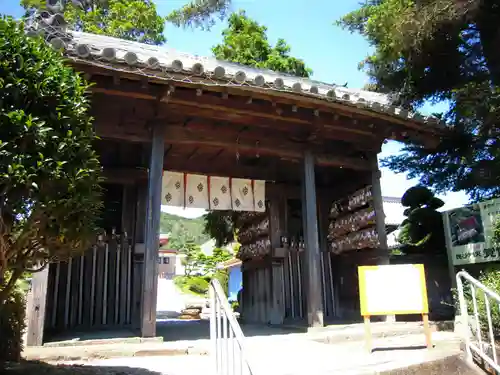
pixel 167 63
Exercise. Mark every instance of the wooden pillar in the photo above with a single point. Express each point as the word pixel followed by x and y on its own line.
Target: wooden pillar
pixel 150 277
pixel 35 308
pixel 312 269
pixel 378 205
pixel 277 226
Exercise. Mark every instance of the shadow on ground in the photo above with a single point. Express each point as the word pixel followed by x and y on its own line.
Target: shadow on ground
pixel 398 348
pixel 41 368
pixel 170 329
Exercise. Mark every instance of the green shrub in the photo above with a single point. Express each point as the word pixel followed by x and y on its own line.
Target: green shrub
pixel 12 325
pixel 198 285
pixel 193 284
pixel 223 277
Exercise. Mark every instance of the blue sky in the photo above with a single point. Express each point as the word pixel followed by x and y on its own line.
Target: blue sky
pixel 332 53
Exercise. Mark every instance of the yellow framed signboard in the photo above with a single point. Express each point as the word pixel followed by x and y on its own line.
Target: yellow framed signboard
pixel 393 290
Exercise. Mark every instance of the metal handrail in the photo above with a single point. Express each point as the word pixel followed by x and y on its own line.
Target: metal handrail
pixel 488 293
pixel 227 338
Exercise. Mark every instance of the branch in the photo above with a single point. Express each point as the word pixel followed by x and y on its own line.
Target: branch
pixel 39 269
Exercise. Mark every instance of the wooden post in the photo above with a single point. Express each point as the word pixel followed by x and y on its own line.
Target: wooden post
pixel 368 334
pixel 36 308
pixel 277 226
pixel 310 220
pixel 378 205
pixel 449 254
pixel 427 331
pixel 150 278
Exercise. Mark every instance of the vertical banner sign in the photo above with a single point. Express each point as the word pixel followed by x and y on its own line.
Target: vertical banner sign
pixel 469 232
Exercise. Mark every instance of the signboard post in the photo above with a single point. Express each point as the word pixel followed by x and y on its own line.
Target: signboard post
pixel 469 233
pixel 393 290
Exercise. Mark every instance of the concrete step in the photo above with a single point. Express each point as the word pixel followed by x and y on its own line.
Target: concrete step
pixel 455 364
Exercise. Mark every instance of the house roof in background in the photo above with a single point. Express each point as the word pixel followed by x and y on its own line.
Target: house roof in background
pixel 234 262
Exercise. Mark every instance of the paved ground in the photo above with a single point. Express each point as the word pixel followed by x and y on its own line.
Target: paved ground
pixel 169 298
pixel 295 355
pixel 335 349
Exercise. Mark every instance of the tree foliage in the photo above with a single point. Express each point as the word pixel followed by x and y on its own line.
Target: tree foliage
pixel 198 263
pixel 422 231
pixel 200 13
pixel 440 50
pixel 50 198
pixel 245 42
pixel 496 232
pixel 220 226
pixel 135 20
pixel 182 230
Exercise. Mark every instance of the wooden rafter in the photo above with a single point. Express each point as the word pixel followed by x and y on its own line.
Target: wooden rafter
pixel 414 127
pixel 236 108
pixel 265 146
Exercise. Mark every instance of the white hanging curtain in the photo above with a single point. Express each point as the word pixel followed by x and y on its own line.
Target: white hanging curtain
pixel 172 192
pixel 196 192
pixel 212 193
pixel 220 193
pixel 259 193
pixel 242 194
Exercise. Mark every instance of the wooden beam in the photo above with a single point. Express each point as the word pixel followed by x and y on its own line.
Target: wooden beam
pixel 150 277
pixel 378 205
pixel 268 172
pixel 124 176
pixel 368 141
pixel 259 146
pixel 310 222
pixel 236 105
pixel 284 98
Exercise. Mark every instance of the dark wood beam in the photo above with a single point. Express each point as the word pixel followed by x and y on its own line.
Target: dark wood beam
pixel 285 98
pixel 237 105
pixel 264 146
pixel 124 176
pixel 269 170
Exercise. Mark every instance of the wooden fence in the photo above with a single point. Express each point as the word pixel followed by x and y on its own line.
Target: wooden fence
pixel 92 291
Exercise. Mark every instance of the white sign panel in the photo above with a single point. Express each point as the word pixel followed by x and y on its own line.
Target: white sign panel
pixel 394 289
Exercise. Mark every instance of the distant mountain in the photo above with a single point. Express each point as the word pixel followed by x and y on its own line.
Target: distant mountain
pixel 182 230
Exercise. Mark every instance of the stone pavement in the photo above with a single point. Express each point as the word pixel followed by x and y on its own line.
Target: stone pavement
pixel 295 354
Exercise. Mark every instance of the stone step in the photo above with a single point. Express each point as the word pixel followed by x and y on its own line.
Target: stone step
pixel 456 364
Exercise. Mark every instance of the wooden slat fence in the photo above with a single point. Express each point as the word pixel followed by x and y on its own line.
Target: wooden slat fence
pixel 92 291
